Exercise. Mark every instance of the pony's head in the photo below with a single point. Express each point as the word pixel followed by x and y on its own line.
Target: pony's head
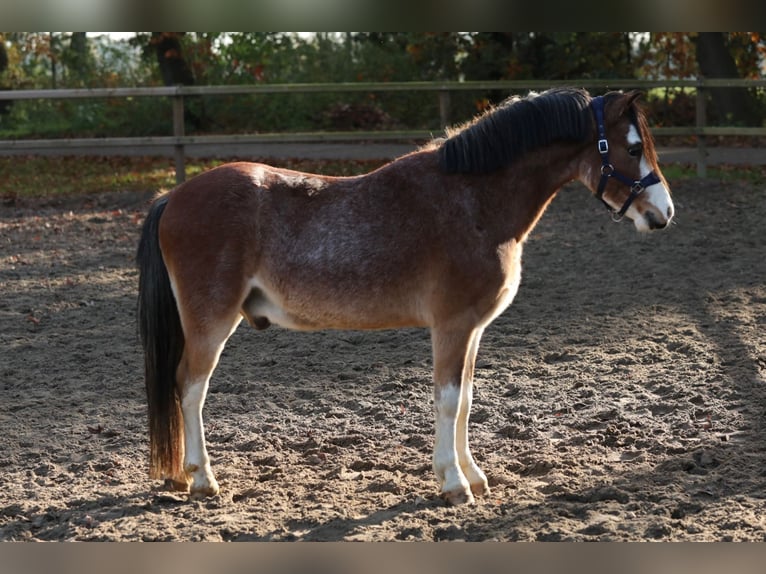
pixel 618 162
pixel 622 168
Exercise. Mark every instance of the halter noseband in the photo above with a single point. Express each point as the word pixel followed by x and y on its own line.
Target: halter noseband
pixel 607 169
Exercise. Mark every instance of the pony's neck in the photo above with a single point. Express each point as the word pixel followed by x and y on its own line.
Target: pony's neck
pixel 525 189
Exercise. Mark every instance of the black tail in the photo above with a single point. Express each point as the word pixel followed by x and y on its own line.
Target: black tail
pixel 163 341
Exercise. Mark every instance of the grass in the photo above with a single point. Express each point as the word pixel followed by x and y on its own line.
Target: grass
pixel 35 176
pixel 724 173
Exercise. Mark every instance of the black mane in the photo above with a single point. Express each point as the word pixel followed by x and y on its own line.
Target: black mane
pixel 515 127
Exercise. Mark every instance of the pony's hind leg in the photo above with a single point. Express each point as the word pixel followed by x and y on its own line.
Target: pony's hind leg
pixel 201 353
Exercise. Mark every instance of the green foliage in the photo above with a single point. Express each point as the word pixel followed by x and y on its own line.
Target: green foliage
pixel 549 55
pixel 121 117
pixel 45 60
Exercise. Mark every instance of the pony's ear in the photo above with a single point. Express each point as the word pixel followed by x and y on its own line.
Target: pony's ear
pixel 629 99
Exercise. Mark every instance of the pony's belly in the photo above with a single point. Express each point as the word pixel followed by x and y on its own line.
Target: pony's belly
pixel 262 310
pixel 314 310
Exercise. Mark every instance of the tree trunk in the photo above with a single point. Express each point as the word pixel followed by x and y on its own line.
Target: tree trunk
pixel 3 57
pixel 175 70
pixel 54 60
pixel 170 57
pixel 733 105
pixel 5 105
pixel 77 59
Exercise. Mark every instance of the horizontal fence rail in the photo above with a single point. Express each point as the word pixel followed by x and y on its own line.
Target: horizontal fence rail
pixel 179 141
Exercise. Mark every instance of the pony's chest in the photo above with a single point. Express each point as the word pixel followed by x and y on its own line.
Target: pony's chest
pixel 510 264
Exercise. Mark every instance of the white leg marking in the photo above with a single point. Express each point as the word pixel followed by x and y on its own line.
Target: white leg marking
pixel 196 460
pixel 446 463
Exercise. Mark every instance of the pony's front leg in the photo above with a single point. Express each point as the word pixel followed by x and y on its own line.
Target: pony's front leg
pixel 476 478
pixel 454 486
pixel 450 349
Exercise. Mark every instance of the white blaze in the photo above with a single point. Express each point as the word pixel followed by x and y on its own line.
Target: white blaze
pixel 657 194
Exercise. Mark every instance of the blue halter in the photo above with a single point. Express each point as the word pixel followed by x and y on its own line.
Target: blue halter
pixel 607 169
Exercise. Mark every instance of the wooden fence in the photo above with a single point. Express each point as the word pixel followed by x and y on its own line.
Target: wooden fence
pixel 178 141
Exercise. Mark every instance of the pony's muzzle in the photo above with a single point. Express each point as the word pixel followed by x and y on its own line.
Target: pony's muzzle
pixel 657 212
pixel 656 222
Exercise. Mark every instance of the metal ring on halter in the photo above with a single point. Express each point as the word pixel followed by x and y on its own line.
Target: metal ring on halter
pixel 607 169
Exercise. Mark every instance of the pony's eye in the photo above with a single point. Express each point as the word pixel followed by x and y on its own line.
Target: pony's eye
pixel 635 150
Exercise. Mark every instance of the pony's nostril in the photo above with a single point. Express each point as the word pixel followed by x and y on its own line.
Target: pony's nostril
pixel 654 222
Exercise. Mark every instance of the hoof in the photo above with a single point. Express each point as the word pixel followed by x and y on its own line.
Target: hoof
pixel 204 492
pixel 480 489
pixel 177 485
pixel 458 497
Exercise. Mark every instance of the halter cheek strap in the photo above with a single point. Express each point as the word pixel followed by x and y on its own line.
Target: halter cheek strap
pixel 607 169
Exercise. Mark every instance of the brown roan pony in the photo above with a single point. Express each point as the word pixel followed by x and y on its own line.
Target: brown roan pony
pixel 432 239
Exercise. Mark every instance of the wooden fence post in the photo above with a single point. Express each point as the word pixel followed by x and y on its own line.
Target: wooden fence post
pixel 178 132
pixel 700 125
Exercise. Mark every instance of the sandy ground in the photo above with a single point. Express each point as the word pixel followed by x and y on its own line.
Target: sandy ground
pixel 621 397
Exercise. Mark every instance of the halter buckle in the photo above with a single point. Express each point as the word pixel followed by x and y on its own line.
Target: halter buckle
pixel 603 146
pixel 607 169
pixel 636 188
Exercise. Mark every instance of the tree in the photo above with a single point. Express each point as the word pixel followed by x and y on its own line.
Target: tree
pixel 5 105
pixel 168 48
pixel 170 58
pixel 735 105
pixel 78 60
pixel 3 56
